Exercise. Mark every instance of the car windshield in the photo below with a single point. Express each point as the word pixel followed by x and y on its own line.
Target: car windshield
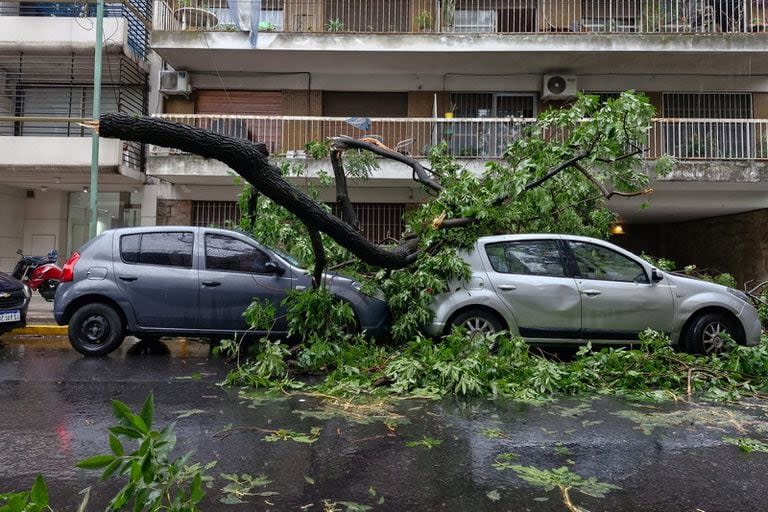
pixel 289 259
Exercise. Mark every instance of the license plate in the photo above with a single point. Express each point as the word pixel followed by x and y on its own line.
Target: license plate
pixel 10 316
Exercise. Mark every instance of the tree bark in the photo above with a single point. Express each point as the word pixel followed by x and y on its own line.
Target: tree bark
pixel 249 160
pixel 319 250
pixel 342 192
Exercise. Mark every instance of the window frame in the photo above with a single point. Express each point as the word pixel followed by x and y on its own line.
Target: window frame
pixel 141 241
pixel 266 253
pixel 573 264
pixel 561 256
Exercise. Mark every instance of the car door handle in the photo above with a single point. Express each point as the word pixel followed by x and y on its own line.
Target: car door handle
pixel 507 287
pixel 591 293
pixel 128 278
pixel 211 284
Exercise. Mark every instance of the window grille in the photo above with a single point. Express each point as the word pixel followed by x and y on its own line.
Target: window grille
pixel 218 214
pixel 708 105
pixel 719 138
pixel 378 221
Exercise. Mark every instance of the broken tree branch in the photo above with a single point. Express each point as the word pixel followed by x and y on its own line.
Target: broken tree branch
pixel 249 160
pixel 320 261
pixel 343 143
pixel 342 192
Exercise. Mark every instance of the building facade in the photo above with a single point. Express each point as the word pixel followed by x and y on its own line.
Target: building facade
pixel 46 86
pixel 470 73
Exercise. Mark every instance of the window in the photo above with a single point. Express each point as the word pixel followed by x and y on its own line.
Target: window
pixel 596 262
pixel 226 253
pixel 474 21
pixel 528 257
pixel 171 249
pixel 706 125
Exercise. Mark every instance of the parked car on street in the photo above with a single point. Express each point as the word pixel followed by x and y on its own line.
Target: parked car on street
pixel 172 280
pixel 565 289
pixel 14 301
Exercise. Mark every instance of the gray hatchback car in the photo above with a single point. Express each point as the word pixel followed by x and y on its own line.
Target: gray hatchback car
pixel 172 280
pixel 560 288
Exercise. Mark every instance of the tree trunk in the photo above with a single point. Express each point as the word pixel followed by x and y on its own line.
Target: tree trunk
pixel 249 160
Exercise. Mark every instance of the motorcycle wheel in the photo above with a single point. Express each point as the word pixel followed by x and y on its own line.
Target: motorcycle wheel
pixel 48 289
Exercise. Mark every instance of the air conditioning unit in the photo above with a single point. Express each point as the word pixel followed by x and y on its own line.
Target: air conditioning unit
pixel 174 82
pixel 558 87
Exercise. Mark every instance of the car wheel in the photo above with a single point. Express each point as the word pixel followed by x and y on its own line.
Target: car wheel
pixel 705 334
pixel 95 330
pixel 477 322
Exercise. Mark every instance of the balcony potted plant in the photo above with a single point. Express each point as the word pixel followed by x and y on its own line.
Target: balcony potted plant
pixel 424 21
pixel 334 25
pixel 449 14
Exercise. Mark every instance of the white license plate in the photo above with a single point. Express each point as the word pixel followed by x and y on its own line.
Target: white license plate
pixel 10 316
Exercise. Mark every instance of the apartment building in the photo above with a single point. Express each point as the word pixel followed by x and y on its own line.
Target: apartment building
pixel 472 73
pixel 46 78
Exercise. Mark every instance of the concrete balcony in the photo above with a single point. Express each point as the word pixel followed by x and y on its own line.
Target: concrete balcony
pixel 722 169
pixel 44 160
pixel 385 39
pixel 69 27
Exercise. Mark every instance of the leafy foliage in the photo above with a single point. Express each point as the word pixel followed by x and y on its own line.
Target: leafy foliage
pixel 599 134
pixel 747 444
pixel 34 500
pixel 155 481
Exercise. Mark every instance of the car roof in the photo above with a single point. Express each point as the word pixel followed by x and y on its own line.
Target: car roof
pixel 535 236
pixel 155 229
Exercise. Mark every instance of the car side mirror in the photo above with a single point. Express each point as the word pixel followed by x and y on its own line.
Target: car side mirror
pixel 271 267
pixel 656 276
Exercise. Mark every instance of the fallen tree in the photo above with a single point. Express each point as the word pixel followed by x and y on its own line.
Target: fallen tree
pixel 554 176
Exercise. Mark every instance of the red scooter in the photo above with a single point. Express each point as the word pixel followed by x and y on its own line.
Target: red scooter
pixel 39 272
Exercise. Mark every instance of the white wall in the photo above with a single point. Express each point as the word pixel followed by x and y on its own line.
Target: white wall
pixel 45 223
pixel 11 225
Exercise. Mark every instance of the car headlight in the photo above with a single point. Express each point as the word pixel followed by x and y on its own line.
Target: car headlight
pixel 740 294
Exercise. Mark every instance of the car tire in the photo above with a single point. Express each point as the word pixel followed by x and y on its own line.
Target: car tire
pixel 477 321
pixel 95 330
pixel 703 334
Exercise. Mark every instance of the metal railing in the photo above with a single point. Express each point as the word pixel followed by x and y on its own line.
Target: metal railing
pixel 686 139
pixel 464 16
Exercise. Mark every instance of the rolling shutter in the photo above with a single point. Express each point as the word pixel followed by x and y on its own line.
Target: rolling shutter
pixel 263 103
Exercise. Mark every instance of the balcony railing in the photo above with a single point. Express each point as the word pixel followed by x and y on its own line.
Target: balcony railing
pixel 686 139
pixel 464 16
pixel 138 13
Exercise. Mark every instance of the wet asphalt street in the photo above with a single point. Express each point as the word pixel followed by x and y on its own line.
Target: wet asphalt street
pixel 55 410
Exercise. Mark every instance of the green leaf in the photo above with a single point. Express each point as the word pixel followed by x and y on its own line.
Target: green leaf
pixel 127 432
pixel 148 410
pixel 139 424
pixel 196 492
pixel 39 493
pixel 113 466
pixel 122 412
pixel 116 445
pixel 96 462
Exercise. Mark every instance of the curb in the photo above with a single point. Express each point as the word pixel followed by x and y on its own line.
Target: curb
pixel 42 329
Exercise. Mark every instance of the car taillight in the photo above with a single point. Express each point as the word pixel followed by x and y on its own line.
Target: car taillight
pixel 68 272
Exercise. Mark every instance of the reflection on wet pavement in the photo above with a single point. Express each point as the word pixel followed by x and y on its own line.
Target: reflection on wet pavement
pixel 308 452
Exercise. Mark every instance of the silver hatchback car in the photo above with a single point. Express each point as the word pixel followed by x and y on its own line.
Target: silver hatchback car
pixel 560 288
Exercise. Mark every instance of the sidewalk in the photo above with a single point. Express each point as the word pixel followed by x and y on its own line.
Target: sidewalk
pixel 40 318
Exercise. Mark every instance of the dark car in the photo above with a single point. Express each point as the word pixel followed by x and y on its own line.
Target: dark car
pixel 14 300
pixel 169 281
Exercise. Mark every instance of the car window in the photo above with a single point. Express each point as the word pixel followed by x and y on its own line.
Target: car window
pixel 597 262
pixel 530 257
pixel 227 253
pixel 172 249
